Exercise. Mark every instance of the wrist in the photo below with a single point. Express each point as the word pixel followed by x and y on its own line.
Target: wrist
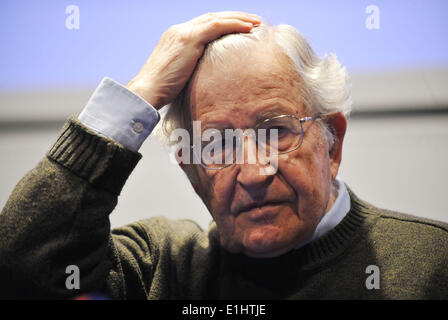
pixel 146 92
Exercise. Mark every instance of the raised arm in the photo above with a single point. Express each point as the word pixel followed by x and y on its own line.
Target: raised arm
pixel 57 215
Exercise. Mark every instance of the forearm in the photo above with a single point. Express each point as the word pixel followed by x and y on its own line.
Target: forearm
pixel 58 216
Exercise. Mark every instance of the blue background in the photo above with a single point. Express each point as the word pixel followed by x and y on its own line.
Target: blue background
pixel 116 37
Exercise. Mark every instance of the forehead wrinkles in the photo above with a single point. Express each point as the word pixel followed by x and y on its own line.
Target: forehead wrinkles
pixel 243 97
pixel 244 81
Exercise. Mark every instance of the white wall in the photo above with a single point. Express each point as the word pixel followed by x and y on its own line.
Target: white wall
pixel 399 163
pixel 396 163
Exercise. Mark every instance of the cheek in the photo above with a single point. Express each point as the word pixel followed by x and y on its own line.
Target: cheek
pixel 308 172
pixel 220 193
pixel 218 189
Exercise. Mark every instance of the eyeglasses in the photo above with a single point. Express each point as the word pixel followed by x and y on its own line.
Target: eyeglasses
pixel 277 135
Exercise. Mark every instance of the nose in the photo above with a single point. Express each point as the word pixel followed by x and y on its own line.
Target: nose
pixel 250 178
pixel 250 175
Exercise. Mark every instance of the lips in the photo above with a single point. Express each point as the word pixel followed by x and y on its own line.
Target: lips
pixel 255 206
pixel 265 213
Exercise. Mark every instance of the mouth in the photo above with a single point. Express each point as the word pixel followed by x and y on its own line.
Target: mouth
pixel 261 212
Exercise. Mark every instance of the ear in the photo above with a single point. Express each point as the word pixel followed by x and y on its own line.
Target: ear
pixel 337 124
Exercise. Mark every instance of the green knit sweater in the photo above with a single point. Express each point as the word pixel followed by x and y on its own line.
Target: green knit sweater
pixel 58 216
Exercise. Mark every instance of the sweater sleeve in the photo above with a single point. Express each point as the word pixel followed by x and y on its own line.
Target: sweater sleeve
pixel 58 216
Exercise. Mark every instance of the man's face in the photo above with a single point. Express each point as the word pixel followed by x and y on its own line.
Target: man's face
pixel 261 215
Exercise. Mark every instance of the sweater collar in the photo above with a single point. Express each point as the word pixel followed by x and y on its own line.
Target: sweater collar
pixel 317 253
pixel 343 236
pixel 337 212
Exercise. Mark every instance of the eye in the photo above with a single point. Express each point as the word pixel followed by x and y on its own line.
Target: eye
pixel 280 129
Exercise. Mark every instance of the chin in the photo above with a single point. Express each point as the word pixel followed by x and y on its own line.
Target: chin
pixel 262 238
pixel 267 242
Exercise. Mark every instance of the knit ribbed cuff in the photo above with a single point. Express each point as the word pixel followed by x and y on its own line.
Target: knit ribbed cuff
pixel 100 161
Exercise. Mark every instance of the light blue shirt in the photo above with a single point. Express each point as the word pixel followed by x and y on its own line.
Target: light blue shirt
pixel 115 112
pixel 337 212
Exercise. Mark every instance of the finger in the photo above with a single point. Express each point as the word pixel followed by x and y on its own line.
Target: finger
pixel 243 16
pixel 217 28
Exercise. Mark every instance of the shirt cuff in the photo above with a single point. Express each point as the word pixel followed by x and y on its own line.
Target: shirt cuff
pixel 117 113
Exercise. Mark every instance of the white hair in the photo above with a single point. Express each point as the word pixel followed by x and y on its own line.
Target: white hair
pixel 324 82
pixel 325 86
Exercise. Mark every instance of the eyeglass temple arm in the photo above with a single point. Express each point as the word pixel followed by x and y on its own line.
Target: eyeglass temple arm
pixel 306 119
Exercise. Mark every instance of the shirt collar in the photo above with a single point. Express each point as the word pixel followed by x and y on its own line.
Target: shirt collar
pixel 337 212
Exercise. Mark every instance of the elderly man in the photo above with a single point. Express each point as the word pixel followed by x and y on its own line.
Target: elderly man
pixel 296 232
